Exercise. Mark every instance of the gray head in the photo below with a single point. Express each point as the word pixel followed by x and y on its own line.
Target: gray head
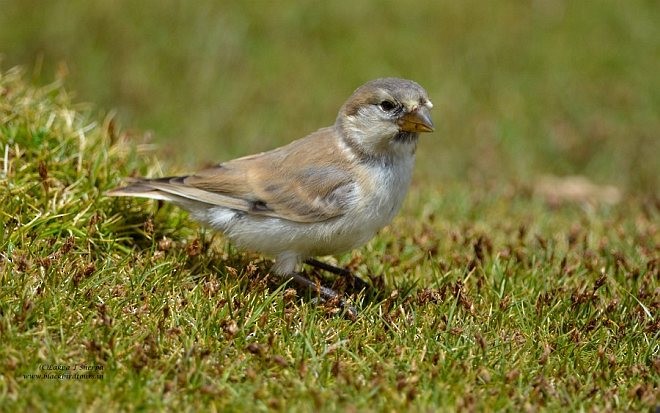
pixel 386 115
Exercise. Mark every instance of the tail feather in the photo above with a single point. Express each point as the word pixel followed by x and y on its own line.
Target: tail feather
pixel 142 188
pixel 175 190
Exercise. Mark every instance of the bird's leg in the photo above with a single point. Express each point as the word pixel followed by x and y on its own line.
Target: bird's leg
pixel 358 283
pixel 329 268
pixel 324 292
pixel 304 282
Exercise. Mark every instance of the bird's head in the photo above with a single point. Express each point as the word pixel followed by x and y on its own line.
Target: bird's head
pixel 385 116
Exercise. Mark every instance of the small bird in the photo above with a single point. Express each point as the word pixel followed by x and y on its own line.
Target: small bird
pixel 324 194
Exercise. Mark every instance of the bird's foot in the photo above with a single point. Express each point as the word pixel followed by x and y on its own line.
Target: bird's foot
pixel 326 295
pixel 355 283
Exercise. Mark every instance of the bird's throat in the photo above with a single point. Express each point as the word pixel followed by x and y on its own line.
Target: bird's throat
pixel 406 137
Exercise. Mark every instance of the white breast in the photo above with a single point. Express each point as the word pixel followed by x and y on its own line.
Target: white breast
pixel 381 193
pixel 391 184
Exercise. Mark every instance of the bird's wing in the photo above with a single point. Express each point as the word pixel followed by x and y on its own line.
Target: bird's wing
pixel 299 182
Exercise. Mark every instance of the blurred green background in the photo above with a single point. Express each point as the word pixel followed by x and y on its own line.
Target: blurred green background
pixel 521 88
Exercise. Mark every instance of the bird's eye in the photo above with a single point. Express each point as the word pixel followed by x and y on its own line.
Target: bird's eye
pixel 386 106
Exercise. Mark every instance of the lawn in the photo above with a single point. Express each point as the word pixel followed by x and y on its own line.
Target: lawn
pixel 503 284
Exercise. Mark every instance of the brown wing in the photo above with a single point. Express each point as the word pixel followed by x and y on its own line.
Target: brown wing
pixel 305 181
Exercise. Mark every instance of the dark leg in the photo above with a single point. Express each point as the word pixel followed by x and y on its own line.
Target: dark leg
pixel 324 292
pixel 357 283
pixel 329 268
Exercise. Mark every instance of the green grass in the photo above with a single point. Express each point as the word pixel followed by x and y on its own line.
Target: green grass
pixel 520 88
pixel 492 299
pixel 494 295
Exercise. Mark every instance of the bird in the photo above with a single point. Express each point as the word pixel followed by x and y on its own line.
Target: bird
pixel 324 194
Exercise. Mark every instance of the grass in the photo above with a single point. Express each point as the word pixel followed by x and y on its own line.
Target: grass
pixel 499 289
pixel 492 299
pixel 520 88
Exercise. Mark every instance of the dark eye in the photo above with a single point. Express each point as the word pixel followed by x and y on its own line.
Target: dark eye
pixel 386 106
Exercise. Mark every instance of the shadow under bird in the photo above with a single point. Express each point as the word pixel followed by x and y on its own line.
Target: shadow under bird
pixel 324 194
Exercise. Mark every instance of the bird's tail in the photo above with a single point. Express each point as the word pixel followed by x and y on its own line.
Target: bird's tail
pixel 174 189
pixel 143 188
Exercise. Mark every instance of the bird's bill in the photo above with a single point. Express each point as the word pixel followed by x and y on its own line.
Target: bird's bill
pixel 419 120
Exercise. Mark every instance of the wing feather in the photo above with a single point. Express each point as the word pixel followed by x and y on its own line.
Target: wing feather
pixel 305 181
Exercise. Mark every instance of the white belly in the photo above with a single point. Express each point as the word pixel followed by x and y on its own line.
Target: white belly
pixel 379 201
